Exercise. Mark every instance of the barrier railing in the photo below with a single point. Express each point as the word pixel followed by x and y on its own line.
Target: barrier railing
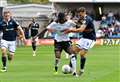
pixel 98 41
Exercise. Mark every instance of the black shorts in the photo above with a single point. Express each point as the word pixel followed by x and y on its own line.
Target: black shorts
pixel 34 33
pixel 64 45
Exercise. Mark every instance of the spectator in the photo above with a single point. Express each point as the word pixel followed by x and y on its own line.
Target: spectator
pixel 103 23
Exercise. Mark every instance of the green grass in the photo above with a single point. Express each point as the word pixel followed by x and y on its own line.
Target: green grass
pixel 103 65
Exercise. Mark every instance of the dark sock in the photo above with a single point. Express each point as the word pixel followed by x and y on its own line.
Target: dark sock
pixel 56 64
pixel 4 60
pixel 33 46
pixel 82 62
pixel 9 58
pixel 56 68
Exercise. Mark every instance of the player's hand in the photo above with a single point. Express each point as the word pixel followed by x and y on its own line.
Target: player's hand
pixel 24 41
pixel 22 38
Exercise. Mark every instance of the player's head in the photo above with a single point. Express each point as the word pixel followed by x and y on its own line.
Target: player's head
pixel 33 19
pixel 81 12
pixel 6 15
pixel 61 18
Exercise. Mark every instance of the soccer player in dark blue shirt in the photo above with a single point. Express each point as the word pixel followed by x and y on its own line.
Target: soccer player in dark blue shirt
pixel 86 26
pixel 10 29
pixel 34 29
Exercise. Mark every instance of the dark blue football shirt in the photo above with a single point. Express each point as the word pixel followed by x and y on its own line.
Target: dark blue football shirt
pixel 9 29
pixel 89 26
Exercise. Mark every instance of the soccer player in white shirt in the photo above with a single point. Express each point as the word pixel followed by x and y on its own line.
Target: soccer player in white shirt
pixel 62 41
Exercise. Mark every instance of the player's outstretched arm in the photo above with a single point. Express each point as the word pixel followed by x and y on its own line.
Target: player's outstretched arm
pixel 21 34
pixel 75 30
pixel 39 32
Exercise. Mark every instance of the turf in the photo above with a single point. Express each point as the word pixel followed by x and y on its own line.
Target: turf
pixel 103 65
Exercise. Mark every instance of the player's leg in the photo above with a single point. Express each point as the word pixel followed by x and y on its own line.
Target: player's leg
pixel 66 46
pixel 75 50
pixel 4 56
pixel 66 55
pixel 10 56
pixel 84 45
pixel 68 49
pixel 11 49
pixel 4 59
pixel 83 52
pixel 34 46
pixel 57 50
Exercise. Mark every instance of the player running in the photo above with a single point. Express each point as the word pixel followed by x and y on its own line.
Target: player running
pixel 34 28
pixel 10 29
pixel 86 26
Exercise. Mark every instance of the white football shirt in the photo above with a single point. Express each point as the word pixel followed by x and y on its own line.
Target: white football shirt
pixel 59 28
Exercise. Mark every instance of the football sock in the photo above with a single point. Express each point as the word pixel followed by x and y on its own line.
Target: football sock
pixel 70 64
pixel 73 62
pixel 82 62
pixel 56 64
pixel 4 60
pixel 33 46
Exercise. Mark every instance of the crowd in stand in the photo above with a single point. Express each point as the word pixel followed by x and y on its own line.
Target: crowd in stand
pixel 109 26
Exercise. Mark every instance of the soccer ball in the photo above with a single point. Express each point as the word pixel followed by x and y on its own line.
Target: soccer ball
pixel 66 69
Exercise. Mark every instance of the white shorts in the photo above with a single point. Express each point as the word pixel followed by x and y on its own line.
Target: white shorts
pixel 84 43
pixel 10 45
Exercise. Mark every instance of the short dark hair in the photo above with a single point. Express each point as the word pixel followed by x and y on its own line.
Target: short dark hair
pixel 6 12
pixel 61 18
pixel 82 9
pixel 61 15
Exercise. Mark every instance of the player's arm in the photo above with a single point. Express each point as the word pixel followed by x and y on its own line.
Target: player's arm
pixel 51 27
pixel 39 32
pixel 75 30
pixel 21 33
pixel 50 30
pixel 29 26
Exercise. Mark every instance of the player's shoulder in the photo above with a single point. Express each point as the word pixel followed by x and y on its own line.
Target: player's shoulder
pixel 14 21
pixel 1 22
pixel 53 23
pixel 88 18
pixel 36 23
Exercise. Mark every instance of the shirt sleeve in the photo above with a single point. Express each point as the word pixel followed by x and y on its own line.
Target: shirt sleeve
pixel 37 25
pixel 16 24
pixel 51 26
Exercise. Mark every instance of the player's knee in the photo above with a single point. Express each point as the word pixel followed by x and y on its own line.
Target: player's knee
pixel 83 53
pixel 75 50
pixel 57 54
pixel 3 53
pixel 33 43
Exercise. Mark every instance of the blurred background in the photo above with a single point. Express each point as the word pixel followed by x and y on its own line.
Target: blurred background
pixel 105 14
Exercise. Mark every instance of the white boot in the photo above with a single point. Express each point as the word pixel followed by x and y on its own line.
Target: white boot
pixel 34 53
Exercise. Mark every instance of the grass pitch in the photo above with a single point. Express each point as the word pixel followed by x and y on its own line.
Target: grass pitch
pixel 102 65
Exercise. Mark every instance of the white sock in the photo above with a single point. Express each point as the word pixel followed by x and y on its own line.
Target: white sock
pixel 82 70
pixel 67 55
pixel 34 52
pixel 73 62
